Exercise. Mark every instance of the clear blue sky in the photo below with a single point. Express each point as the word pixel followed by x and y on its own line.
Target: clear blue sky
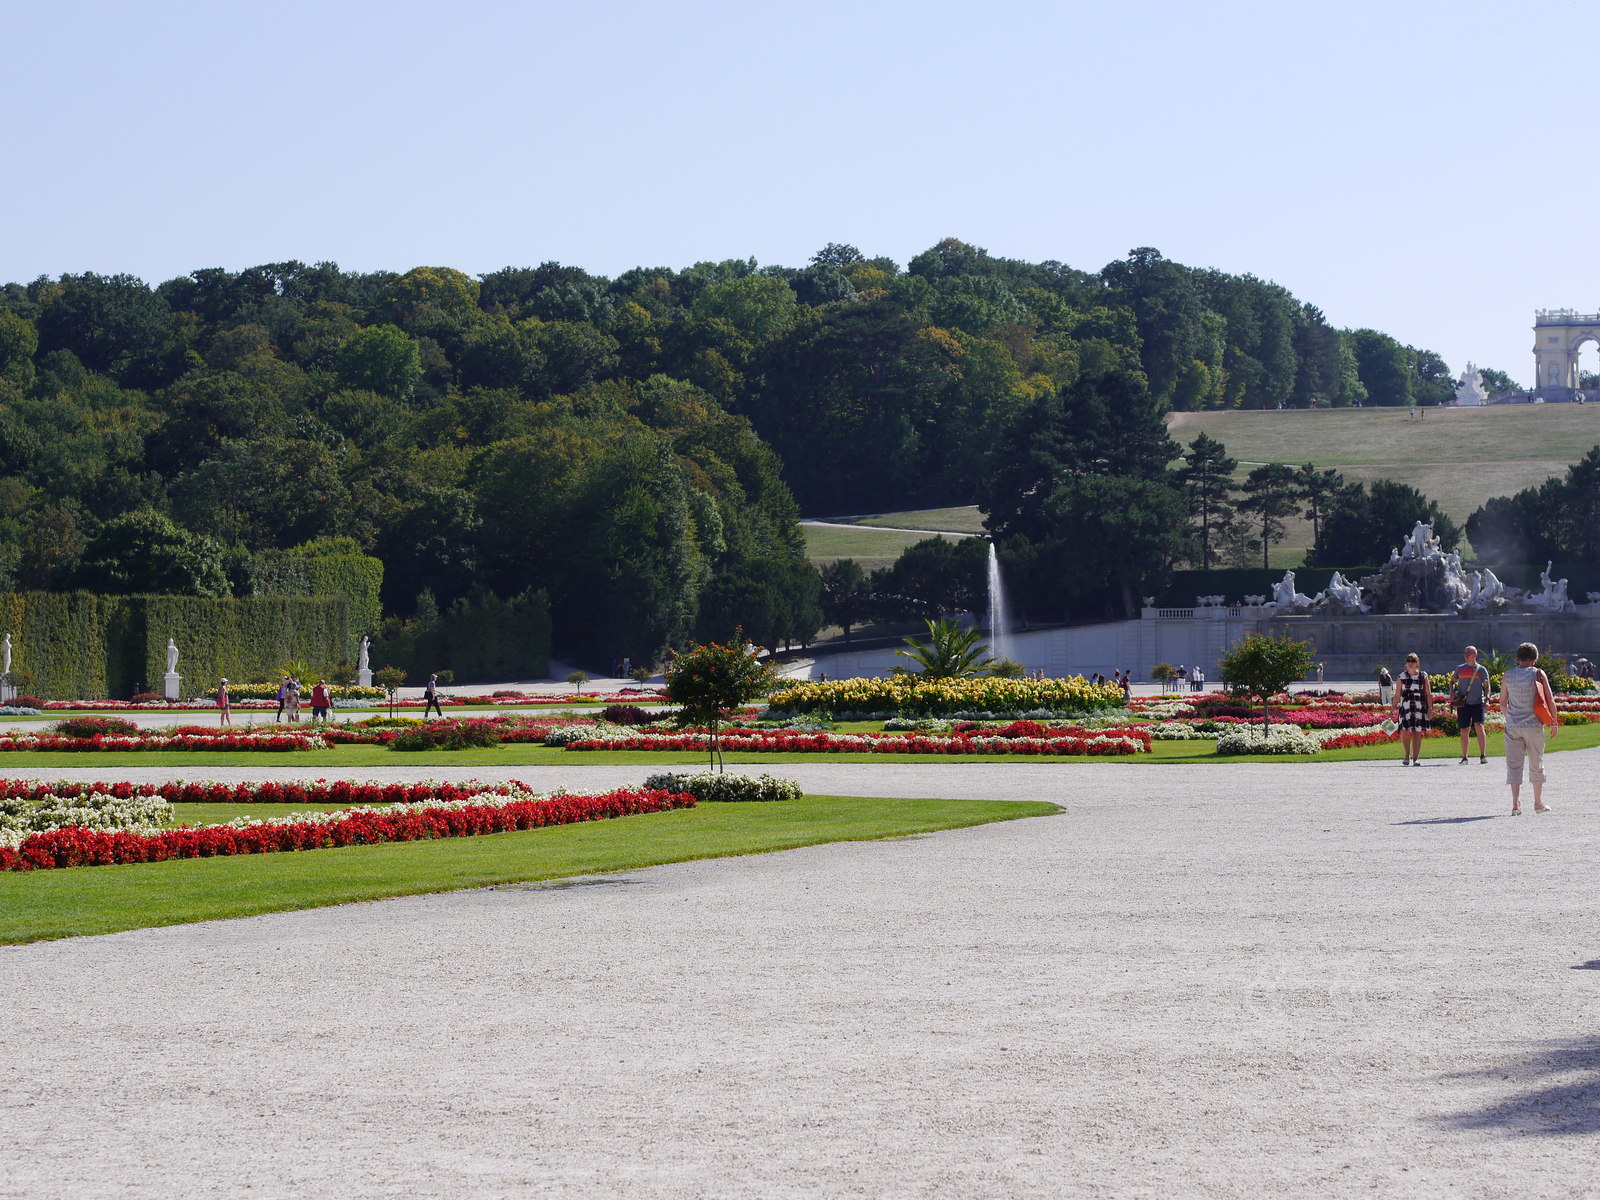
pixel 1424 168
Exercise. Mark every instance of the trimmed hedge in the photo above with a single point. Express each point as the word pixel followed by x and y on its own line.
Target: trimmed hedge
pixel 82 646
pixel 479 637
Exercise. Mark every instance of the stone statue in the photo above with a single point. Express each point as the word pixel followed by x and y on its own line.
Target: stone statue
pixel 1552 596
pixel 1421 543
pixel 1254 601
pixel 1490 589
pixel 362 663
pixel 1284 597
pixel 172 657
pixel 1470 390
pixel 5 649
pixel 1394 555
pixel 1344 593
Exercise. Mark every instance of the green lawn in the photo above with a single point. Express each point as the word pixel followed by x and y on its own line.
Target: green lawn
pixel 965 519
pixel 872 548
pixel 88 900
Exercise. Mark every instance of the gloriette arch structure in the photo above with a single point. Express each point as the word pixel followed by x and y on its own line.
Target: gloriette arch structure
pixel 1558 335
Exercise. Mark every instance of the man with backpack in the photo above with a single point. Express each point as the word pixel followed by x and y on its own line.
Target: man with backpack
pixel 430 696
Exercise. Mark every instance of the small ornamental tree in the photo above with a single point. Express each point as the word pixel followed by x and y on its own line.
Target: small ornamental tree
pixel 1262 665
pixel 577 679
pixel 709 682
pixel 390 679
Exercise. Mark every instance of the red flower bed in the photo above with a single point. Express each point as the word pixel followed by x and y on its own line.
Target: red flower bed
pixel 76 847
pixel 1072 740
pixel 1345 740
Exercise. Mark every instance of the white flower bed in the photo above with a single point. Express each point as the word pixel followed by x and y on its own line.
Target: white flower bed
pixel 1279 739
pixel 565 735
pixel 93 810
pixel 486 799
pixel 1177 731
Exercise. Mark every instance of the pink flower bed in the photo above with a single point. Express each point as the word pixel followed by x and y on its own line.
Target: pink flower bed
pixel 76 847
pixel 196 738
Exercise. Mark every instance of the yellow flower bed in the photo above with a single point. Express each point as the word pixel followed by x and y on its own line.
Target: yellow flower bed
pixel 912 695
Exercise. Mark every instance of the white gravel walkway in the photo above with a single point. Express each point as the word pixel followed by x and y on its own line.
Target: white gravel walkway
pixel 1274 980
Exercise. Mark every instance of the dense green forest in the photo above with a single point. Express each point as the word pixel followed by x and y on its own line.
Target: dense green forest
pixel 640 447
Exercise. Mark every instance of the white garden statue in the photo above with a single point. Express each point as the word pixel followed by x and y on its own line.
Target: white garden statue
pixel 5 667
pixel 172 657
pixel 363 662
pixel 1285 597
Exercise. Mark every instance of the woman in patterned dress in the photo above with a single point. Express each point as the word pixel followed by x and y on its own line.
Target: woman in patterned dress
pixel 1413 705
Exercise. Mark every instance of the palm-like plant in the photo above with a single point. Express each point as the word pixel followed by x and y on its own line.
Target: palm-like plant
pixel 951 652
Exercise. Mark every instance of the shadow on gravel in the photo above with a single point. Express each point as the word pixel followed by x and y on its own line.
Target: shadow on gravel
pixel 1443 821
pixel 556 885
pixel 1562 1096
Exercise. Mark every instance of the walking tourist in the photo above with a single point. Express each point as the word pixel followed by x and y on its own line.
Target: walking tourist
pixel 1413 706
pixel 430 697
pixel 1523 693
pixel 283 697
pixel 1126 680
pixel 226 717
pixel 1385 685
pixel 1320 668
pixel 294 698
pixel 1469 692
pixel 321 701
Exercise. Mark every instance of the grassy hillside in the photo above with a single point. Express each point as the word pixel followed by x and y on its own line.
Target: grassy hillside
pixel 1459 457
pixel 872 548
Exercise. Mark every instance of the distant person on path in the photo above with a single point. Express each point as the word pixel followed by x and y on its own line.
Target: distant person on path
pixel 1413 706
pixel 283 697
pixel 294 698
pixel 226 717
pixel 1127 684
pixel 1385 685
pixel 1320 668
pixel 321 701
pixel 430 697
pixel 1521 691
pixel 1469 692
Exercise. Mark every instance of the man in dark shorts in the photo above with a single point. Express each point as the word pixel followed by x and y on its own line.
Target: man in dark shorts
pixel 1469 692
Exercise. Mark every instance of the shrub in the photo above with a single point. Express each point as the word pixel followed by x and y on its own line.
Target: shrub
pixel 448 735
pixel 390 722
pixel 509 694
pixel 640 674
pixel 1445 723
pixel 88 727
pixel 148 698
pixel 27 702
pixel 626 714
pixel 710 789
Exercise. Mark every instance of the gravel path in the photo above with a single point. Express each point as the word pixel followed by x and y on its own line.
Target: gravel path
pixel 1281 980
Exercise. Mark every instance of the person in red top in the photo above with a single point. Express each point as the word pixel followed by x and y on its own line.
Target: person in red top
pixel 321 701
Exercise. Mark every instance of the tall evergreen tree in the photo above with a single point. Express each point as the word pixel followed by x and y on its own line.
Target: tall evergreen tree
pixel 1207 479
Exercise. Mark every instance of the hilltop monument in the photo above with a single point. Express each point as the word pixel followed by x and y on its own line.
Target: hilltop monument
pixel 1470 391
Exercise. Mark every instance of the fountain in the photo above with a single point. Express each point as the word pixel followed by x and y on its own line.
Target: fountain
pixel 999 615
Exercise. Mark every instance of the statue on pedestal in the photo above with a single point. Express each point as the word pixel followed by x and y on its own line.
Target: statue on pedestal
pixel 172 656
pixel 1285 598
